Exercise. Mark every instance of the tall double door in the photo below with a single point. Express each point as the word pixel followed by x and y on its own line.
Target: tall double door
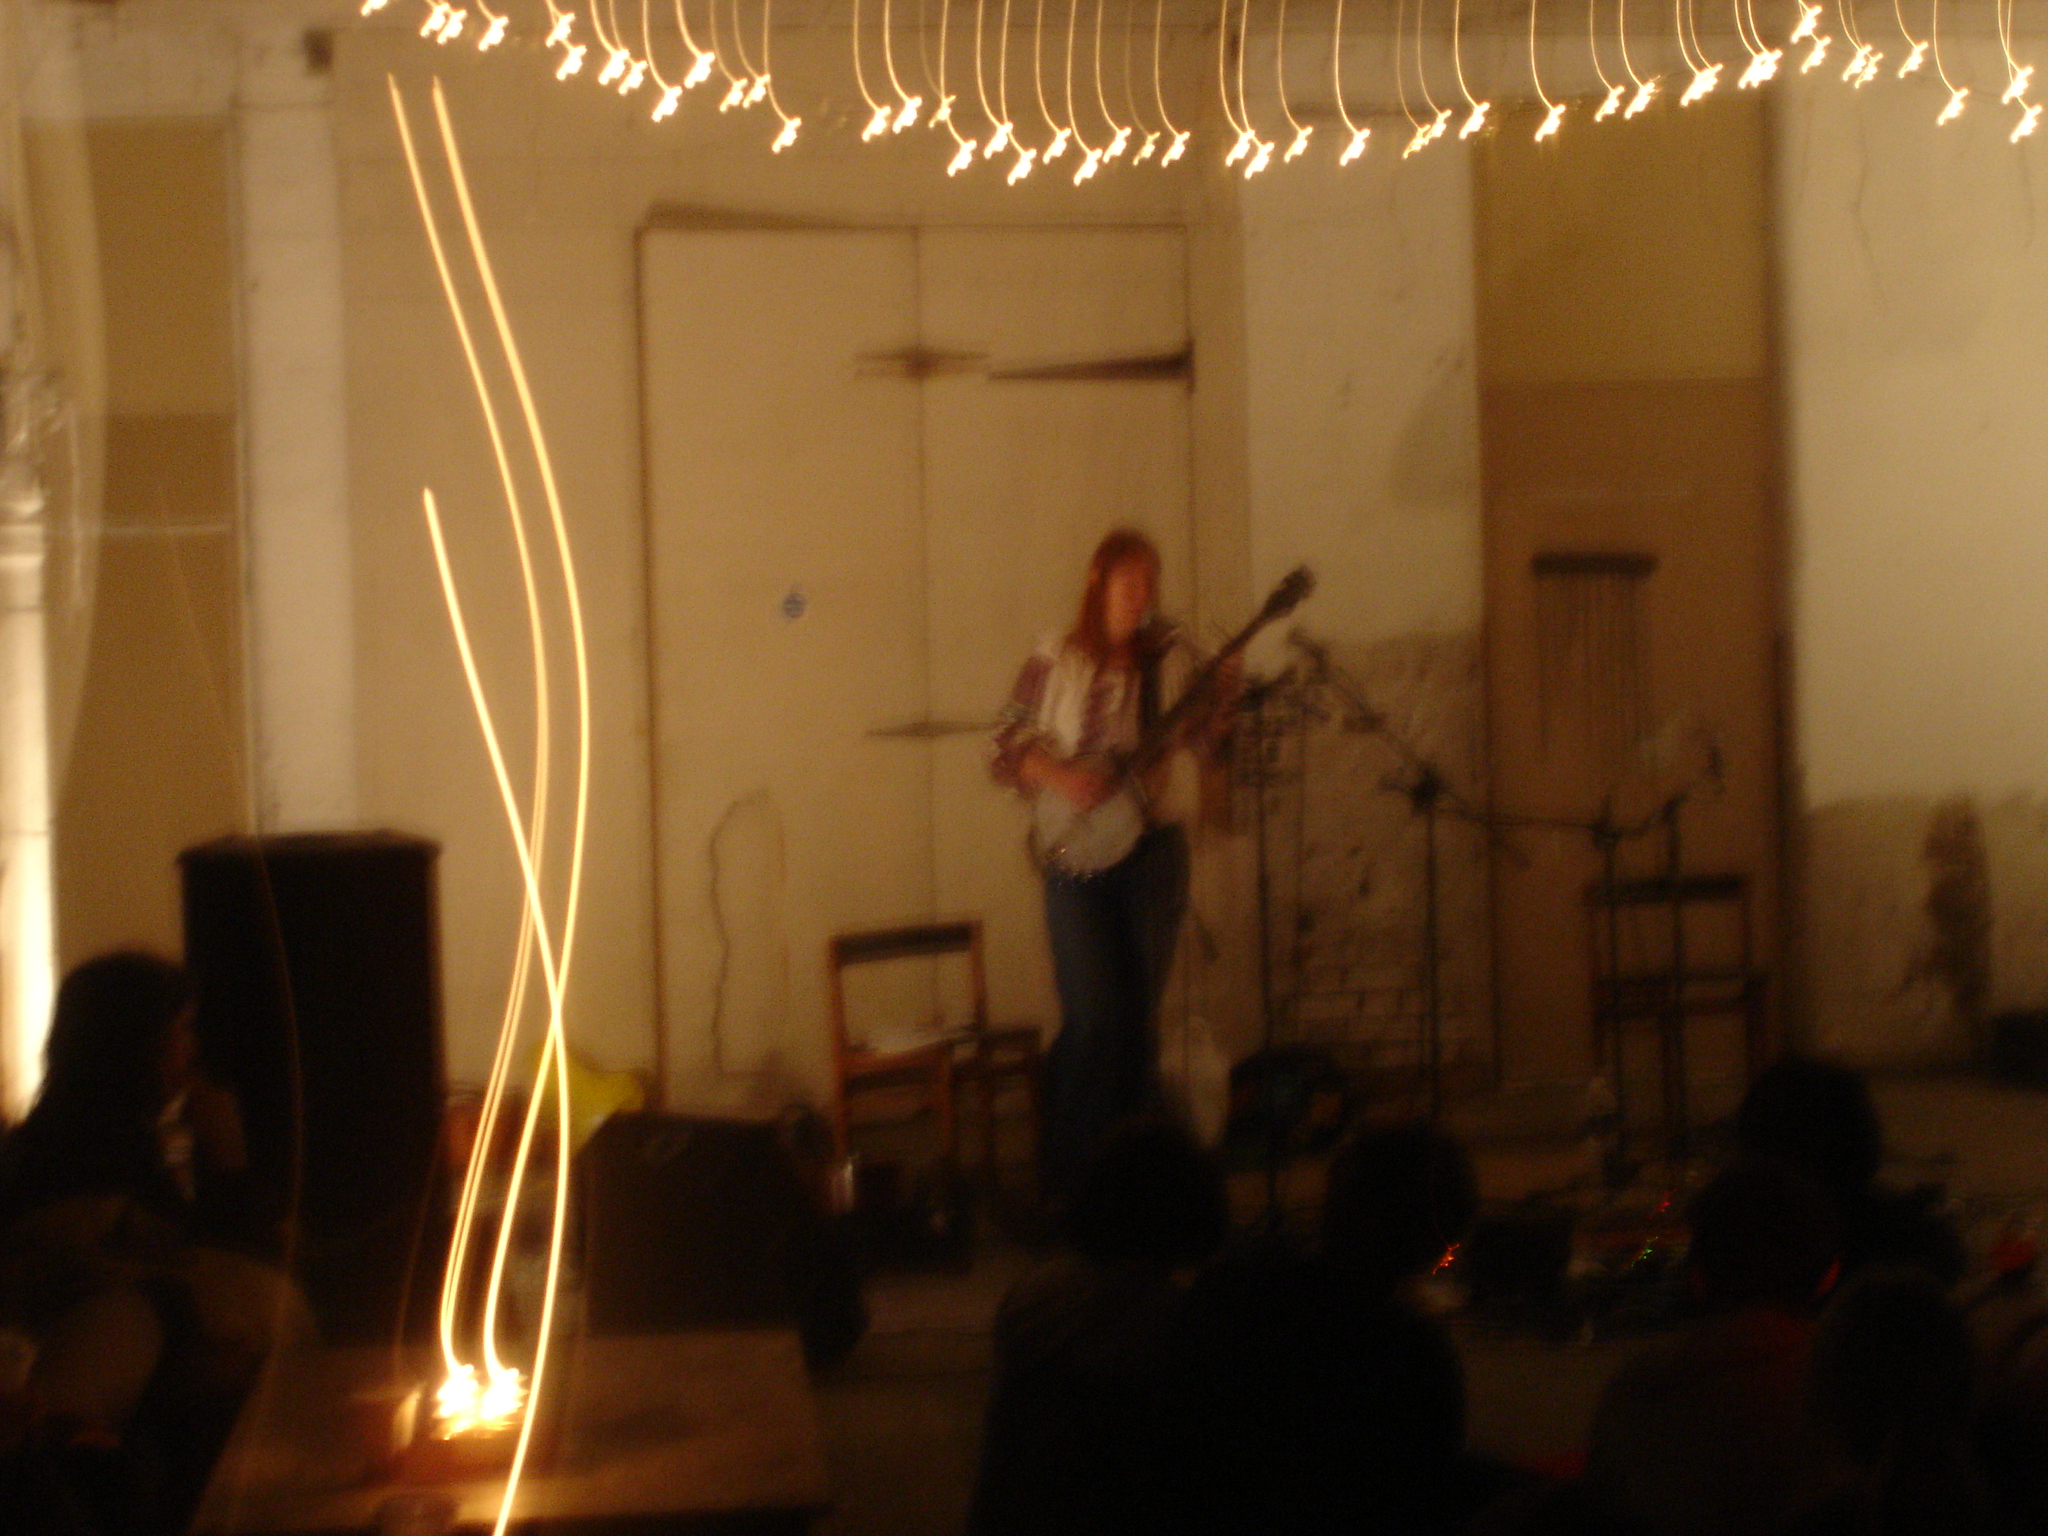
pixel 876 462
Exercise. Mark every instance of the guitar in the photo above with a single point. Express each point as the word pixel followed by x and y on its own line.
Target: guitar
pixel 1076 842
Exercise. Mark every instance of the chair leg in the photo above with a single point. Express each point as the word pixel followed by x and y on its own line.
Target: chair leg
pixel 949 1136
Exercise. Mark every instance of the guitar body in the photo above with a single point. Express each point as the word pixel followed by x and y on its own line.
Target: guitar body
pixel 1071 841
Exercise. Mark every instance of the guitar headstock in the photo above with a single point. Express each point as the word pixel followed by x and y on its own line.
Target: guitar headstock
pixel 1292 592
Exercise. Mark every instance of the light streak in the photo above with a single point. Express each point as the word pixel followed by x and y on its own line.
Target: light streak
pixel 372 7
pixel 558 34
pixel 963 147
pixel 756 88
pixel 431 27
pixel 1419 135
pixel 1645 89
pixel 701 59
pixel 1612 104
pixel 1355 145
pixel 1763 62
pixel 737 85
pixel 1261 148
pixel 1298 145
pixel 556 1042
pixel 2019 79
pixel 1808 24
pixel 999 123
pixel 1442 115
pixel 1058 145
pixel 906 114
pixel 461 1396
pixel 878 115
pixel 786 134
pixel 1179 146
pixel 1820 51
pixel 616 57
pixel 1918 56
pixel 572 60
pixel 1119 133
pixel 1242 146
pixel 1477 119
pixel 1091 156
pixel 1137 117
pixel 502 1395
pixel 1957 95
pixel 1706 73
pixel 494 29
pixel 1553 111
pixel 1862 66
pixel 1021 168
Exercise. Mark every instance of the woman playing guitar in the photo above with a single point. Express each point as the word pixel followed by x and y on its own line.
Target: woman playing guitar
pixel 1086 725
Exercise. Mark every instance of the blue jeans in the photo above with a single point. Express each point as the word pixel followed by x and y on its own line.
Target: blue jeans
pixel 1112 936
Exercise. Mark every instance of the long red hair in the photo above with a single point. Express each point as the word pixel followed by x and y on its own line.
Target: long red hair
pixel 1120 546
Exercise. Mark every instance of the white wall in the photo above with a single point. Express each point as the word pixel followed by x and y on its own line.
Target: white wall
pixel 1915 342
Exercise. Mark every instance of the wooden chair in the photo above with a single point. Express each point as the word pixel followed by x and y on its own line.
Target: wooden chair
pixel 933 1061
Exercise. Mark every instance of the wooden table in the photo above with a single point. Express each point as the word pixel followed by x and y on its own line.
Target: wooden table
pixel 680 1432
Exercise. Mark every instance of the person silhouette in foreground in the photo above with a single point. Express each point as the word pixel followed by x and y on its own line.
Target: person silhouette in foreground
pixel 1707 1434
pixel 123 1197
pixel 1312 1393
pixel 1081 1341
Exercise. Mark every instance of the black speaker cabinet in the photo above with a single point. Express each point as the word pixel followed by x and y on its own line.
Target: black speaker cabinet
pixel 316 960
pixel 706 1224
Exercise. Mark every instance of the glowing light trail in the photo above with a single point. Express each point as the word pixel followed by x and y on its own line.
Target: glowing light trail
pixel 2019 78
pixel 1261 147
pixel 1439 116
pixel 1058 144
pixel 786 134
pixel 1298 145
pixel 736 86
pixel 1119 133
pixel 1477 118
pixel 1862 66
pixel 1914 59
pixel 701 59
pixel 1706 73
pixel 1355 146
pixel 1645 89
pixel 461 1394
pixel 906 113
pixel 1005 132
pixel 671 91
pixel 756 84
pixel 1419 134
pixel 572 900
pixel 963 147
pixel 1242 146
pixel 998 127
pixel 878 115
pixel 1957 95
pixel 1763 62
pixel 1180 135
pixel 1553 111
pixel 502 1396
pixel 1150 145
pixel 1091 157
pixel 1614 90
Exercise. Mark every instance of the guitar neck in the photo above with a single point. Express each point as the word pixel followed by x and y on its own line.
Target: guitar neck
pixel 1155 741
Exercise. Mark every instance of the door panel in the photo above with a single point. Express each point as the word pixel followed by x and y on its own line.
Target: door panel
pixel 787 593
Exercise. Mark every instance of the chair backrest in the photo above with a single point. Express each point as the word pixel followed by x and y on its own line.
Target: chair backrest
pixel 909 941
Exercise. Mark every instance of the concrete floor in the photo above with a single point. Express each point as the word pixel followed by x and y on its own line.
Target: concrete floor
pixel 902 1415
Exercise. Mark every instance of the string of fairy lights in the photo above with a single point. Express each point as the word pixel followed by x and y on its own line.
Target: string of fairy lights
pixel 1066 40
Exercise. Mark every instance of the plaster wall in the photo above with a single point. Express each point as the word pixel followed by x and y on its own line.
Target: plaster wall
pixel 1914 330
